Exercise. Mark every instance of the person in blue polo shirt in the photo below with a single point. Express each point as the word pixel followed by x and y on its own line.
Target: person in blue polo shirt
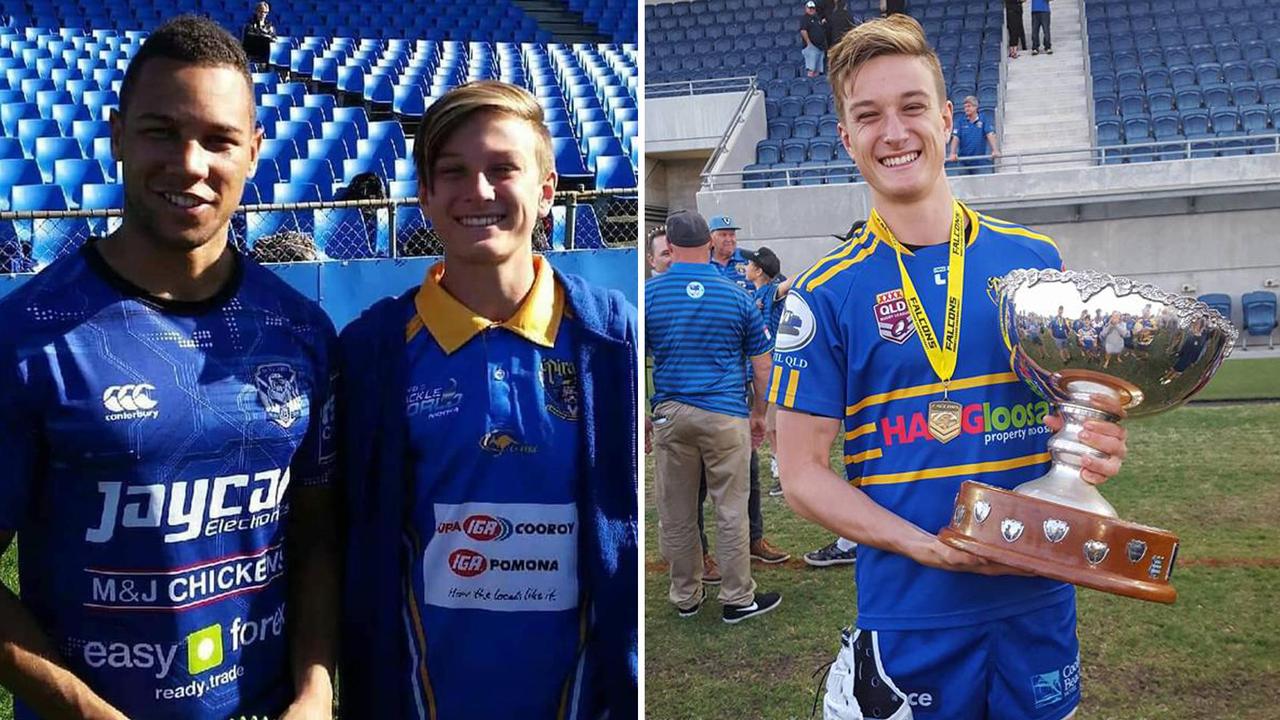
pixel 702 330
pixel 973 135
pixel 491 508
pixel 874 353
pixel 725 255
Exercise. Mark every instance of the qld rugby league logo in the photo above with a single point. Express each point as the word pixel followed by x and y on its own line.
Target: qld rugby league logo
pixel 277 385
pixel 892 318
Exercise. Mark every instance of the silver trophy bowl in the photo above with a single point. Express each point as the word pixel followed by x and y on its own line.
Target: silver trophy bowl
pixel 1104 347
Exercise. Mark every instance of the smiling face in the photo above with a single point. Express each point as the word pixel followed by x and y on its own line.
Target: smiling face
pixel 723 243
pixel 187 143
pixel 660 257
pixel 485 191
pixel 895 127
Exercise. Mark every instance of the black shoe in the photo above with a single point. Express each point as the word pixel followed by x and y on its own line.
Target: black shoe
pixel 831 555
pixel 1035 51
pixel 759 605
pixel 776 490
pixel 690 612
pixel 1049 50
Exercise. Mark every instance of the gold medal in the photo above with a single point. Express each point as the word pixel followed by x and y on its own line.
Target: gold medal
pixel 944 420
pixel 944 415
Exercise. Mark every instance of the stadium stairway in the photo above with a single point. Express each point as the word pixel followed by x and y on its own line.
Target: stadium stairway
pixel 555 17
pixel 1046 99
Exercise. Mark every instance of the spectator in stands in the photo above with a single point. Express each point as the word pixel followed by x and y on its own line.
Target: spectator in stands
pixel 732 263
pixel 165 415
pixel 258 34
pixel 508 370
pixel 1017 31
pixel 814 36
pixel 659 250
pixel 702 332
pixel 973 137
pixel 839 21
pixel 1040 25
pixel 869 359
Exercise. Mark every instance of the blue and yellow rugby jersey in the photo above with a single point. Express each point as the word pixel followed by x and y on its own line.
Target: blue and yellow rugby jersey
pixel 847 348
pixel 149 450
pixel 494 534
pixel 699 327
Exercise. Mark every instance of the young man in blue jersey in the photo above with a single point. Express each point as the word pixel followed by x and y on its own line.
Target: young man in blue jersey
pixel 871 354
pixel 167 427
pixel 492 513
pixel 703 333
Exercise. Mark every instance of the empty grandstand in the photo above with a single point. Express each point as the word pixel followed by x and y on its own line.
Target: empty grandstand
pixel 1108 165
pixel 340 95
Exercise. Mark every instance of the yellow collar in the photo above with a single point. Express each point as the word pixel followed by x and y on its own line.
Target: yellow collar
pixel 452 324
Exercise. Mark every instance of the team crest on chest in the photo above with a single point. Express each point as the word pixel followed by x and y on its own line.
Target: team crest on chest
pixel 560 385
pixel 277 385
pixel 892 319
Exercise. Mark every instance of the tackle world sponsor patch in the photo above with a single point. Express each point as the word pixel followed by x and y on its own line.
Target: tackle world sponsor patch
pixel 503 557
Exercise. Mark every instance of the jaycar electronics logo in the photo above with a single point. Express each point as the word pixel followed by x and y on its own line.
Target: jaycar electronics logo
pixel 130 402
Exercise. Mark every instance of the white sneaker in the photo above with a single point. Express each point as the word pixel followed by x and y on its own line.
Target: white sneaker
pixel 773 467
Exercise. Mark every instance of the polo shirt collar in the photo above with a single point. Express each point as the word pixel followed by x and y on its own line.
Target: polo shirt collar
pixel 452 324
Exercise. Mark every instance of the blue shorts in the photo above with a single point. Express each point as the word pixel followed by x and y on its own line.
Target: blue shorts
pixel 1025 667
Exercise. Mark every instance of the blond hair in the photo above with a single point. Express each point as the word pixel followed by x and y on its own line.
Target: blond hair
pixel 459 105
pixel 894 35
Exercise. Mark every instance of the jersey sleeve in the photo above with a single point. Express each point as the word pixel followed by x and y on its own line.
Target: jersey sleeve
pixel 316 459
pixel 809 356
pixel 18 444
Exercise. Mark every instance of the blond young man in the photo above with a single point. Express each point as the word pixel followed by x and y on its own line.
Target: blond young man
pixel 939 630
pixel 493 515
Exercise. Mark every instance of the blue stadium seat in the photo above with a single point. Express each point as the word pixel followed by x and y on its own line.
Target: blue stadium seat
pixel 391 131
pixel 51 149
pixel 73 173
pixel 312 171
pixel 48 238
pixel 313 116
pixel 1217 95
pixel 14 172
pixel 342 233
pixel 1218 301
pixel 1105 106
pixel 1183 76
pixel 326 103
pixel 405 169
pixel 402 189
pixel 614 173
pixel 334 150
pixel 794 150
pixel 357 165
pixel 1234 72
pixel 1226 121
pixel 103 154
pixel 768 152
pixel 1133 103
pixel 1160 100
pixel 1259 311
pixel 11 113
pixel 821 149
pixel 779 129
pixel 1189 99
pixel 297 131
pixel 102 196
pixel 409 220
pixel 1245 93
pixel 1195 123
pixel 585 224
pixel 302 221
pixel 11 149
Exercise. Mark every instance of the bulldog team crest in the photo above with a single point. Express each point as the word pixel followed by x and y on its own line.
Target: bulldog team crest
pixel 560 383
pixel 278 392
pixel 892 318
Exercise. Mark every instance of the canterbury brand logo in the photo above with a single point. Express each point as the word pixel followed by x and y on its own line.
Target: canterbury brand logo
pixel 130 402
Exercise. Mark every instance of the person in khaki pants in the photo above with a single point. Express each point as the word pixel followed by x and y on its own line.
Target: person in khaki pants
pixel 702 331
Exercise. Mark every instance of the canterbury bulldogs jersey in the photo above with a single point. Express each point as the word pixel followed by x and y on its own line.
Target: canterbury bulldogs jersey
pixel 150 448
pixel 847 348
pixel 493 537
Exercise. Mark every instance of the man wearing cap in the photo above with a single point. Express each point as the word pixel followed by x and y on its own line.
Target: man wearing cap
pixel 725 255
pixel 814 35
pixel 702 331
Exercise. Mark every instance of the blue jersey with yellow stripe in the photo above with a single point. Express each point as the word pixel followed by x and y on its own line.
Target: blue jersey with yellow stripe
pixel 493 535
pixel 847 348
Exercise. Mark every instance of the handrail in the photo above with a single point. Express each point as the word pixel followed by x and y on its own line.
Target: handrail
pixel 703 86
pixel 737 120
pixel 1095 155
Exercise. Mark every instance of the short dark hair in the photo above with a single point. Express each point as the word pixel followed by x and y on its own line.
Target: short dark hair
pixel 654 234
pixel 189 39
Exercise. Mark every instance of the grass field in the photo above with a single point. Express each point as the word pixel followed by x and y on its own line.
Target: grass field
pixel 1207 472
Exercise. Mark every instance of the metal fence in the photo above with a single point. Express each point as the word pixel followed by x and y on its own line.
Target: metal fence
pixel 335 230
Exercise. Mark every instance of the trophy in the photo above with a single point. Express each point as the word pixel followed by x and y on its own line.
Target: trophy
pixel 1097 347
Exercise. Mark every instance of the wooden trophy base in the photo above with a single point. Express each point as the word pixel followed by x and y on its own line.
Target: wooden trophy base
pixel 1063 543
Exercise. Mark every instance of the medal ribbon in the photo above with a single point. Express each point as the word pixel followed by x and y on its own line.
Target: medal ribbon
pixel 942 357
